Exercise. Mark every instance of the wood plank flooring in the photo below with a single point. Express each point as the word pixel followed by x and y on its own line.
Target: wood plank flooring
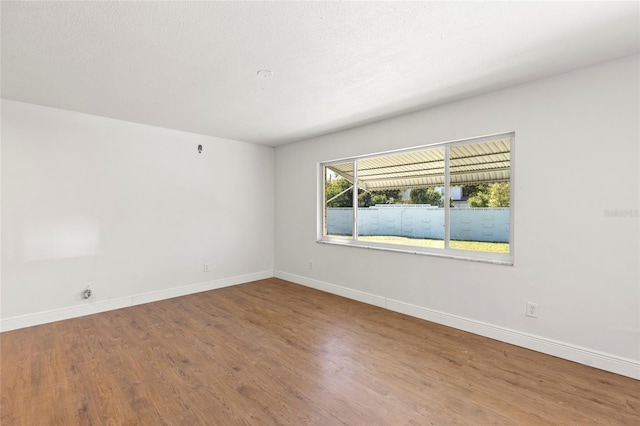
pixel 272 352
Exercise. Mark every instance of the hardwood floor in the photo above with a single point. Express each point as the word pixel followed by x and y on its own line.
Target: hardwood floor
pixel 272 352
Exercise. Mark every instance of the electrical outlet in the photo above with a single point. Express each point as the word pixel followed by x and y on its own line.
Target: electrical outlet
pixel 311 264
pixel 206 267
pixel 532 310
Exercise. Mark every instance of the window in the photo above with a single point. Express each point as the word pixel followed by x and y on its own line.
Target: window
pixel 450 199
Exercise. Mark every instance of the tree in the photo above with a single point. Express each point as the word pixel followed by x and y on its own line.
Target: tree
pixel 378 199
pixel 335 187
pixel 499 195
pixel 471 190
pixel 425 196
pixel 492 195
pixel 371 198
pixel 365 198
pixel 479 199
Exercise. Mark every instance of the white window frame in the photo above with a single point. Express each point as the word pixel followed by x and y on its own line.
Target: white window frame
pixel 478 256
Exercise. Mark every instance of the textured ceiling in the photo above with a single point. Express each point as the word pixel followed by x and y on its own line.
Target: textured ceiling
pixel 193 65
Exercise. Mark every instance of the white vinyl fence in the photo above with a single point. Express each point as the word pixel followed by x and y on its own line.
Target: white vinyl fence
pixel 422 221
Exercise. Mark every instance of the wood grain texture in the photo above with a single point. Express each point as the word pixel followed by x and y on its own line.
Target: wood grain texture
pixel 272 352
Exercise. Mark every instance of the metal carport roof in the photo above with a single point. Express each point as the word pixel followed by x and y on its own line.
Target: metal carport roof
pixel 469 164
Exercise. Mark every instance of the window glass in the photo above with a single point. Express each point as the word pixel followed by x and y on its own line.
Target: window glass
pixel 338 196
pixel 400 203
pixel 481 216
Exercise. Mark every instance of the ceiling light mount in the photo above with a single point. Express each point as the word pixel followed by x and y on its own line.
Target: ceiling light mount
pixel 265 73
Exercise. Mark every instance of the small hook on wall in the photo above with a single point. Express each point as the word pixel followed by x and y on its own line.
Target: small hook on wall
pixel 199 149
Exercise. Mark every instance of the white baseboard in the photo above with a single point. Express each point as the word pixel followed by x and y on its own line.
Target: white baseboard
pixel 22 321
pixel 604 361
pixel 360 296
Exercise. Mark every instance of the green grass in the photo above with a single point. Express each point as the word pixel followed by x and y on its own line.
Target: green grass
pixel 419 242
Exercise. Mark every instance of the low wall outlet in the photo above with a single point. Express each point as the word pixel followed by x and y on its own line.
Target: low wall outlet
pixel 311 264
pixel 206 267
pixel 532 310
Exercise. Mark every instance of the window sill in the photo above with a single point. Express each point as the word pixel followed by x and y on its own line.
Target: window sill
pixel 471 256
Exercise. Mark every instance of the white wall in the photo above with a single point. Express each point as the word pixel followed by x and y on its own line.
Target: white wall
pixel 131 210
pixel 578 130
